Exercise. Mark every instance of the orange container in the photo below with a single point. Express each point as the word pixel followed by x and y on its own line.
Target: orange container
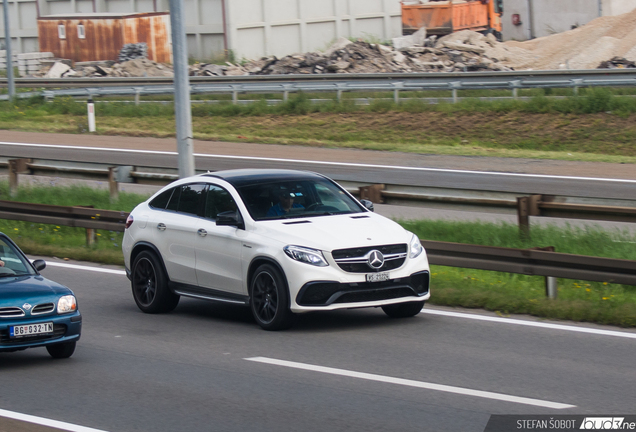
pixel 91 37
pixel 444 17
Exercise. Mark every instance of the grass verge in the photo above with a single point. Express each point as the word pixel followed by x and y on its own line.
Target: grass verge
pixel 501 292
pixel 597 126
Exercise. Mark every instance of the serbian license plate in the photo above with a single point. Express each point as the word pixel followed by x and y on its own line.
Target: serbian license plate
pixel 31 329
pixel 377 277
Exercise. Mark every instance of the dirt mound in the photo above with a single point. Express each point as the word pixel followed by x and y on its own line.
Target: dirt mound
pixel 584 47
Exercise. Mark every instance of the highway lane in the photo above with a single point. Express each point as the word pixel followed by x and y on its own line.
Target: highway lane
pixel 190 370
pixel 400 169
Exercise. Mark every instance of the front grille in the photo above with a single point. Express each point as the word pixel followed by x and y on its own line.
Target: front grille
pixel 43 308
pixel 326 293
pixel 355 260
pixel 11 312
pixel 59 330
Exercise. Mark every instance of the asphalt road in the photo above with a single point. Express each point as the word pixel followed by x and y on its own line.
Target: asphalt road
pixel 209 367
pixel 580 179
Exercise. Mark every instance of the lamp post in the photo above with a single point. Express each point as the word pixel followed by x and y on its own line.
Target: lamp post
pixel 7 43
pixel 182 107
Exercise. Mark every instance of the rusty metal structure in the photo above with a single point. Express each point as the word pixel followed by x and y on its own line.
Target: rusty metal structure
pixel 100 36
pixel 444 17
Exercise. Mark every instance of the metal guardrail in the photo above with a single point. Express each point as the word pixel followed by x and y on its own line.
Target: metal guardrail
pixel 285 84
pixel 526 206
pixel 522 261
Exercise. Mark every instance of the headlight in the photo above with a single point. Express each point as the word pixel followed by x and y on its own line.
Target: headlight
pixel 66 304
pixel 416 247
pixel 306 255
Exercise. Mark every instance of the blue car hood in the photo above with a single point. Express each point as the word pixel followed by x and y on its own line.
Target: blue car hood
pixel 31 289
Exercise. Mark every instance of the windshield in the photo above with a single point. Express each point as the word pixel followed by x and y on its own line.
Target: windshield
pixel 297 199
pixel 12 263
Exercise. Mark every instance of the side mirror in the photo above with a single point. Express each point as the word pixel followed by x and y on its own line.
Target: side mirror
pixel 39 264
pixel 368 204
pixel 230 218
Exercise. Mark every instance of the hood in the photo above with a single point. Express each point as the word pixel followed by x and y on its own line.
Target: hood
pixel 31 289
pixel 328 233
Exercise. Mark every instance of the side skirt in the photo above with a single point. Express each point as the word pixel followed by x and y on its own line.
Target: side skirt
pixel 208 294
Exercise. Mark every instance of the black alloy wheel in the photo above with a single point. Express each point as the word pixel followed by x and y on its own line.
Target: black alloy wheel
pixel 403 310
pixel 269 300
pixel 150 285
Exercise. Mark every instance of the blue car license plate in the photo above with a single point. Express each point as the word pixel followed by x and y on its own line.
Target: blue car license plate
pixel 31 329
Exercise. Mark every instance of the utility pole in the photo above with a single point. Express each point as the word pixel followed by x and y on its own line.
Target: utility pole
pixel 182 106
pixel 7 43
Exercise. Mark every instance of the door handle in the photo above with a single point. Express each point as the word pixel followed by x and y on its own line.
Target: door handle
pixel 161 226
pixel 202 232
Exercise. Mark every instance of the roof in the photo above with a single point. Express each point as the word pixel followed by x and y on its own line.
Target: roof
pixel 243 177
pixel 101 15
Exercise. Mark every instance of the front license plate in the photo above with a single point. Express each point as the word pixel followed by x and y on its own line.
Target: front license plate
pixel 377 277
pixel 31 329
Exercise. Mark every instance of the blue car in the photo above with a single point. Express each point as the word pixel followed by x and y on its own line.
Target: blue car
pixel 34 311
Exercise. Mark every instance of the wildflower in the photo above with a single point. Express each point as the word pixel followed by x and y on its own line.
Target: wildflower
pixel 588 290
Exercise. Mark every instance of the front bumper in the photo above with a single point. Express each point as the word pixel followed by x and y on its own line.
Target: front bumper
pixel 66 328
pixel 333 295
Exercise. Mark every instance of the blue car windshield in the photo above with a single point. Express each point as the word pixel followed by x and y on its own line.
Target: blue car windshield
pixel 300 198
pixel 13 263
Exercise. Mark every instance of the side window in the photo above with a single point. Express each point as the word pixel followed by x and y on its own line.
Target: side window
pixel 191 199
pixel 161 201
pixel 173 204
pixel 218 201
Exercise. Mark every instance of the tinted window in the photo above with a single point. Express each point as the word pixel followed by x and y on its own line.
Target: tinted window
pixel 174 200
pixel 161 201
pixel 191 199
pixel 218 201
pixel 296 198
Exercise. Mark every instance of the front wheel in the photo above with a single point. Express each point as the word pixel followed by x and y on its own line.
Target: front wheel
pixel 403 310
pixel 269 299
pixel 150 285
pixel 61 350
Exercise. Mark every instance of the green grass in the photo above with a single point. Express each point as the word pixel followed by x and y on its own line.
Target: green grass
pixel 597 126
pixel 504 293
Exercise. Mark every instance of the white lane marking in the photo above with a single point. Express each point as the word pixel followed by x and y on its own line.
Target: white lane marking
pixel 87 268
pixel 343 164
pixel 426 311
pixel 411 383
pixel 531 323
pixel 46 422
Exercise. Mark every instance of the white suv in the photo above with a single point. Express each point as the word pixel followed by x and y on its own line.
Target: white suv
pixel 279 241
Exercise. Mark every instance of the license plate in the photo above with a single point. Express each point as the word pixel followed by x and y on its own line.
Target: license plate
pixel 31 329
pixel 377 277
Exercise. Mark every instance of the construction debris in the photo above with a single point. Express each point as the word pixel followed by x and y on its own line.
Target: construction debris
pixel 133 51
pixel 465 51
pixel 617 63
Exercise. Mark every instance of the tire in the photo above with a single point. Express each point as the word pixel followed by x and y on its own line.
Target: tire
pixel 61 350
pixel 403 310
pixel 269 299
pixel 150 285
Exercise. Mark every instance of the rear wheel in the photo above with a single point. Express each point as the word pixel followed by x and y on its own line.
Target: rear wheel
pixel 269 299
pixel 61 350
pixel 150 285
pixel 403 310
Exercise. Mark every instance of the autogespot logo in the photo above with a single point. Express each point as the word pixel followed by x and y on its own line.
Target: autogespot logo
pixel 606 423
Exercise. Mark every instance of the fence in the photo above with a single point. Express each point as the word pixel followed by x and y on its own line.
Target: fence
pixel 285 84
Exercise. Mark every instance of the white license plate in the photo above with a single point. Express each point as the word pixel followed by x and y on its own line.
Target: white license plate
pixel 377 277
pixel 31 329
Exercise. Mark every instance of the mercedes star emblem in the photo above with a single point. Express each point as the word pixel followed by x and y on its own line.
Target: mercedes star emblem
pixel 376 259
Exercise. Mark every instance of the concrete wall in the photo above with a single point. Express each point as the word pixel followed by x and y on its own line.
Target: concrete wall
pixel 546 17
pixel 259 28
